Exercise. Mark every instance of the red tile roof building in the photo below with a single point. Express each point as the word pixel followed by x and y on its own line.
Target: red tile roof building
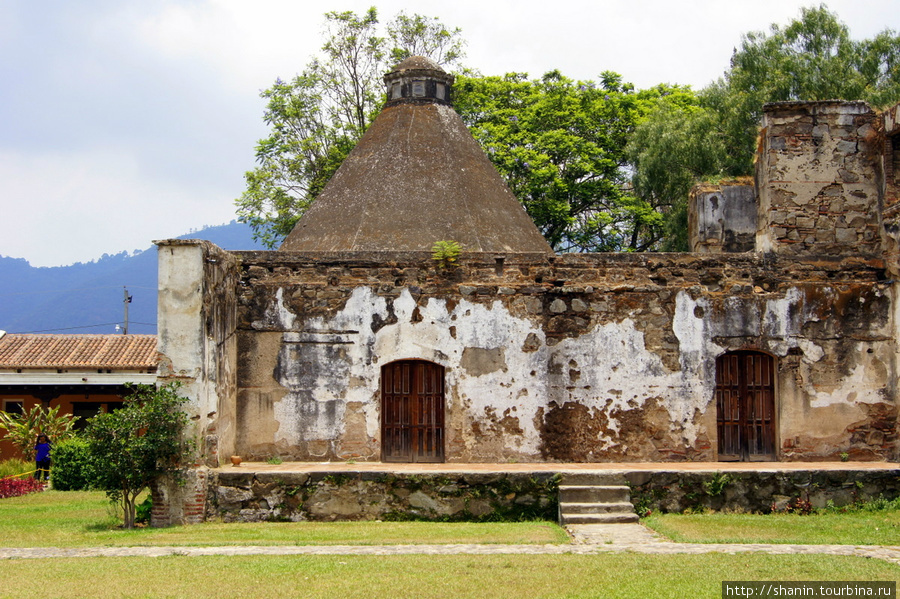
pixel 82 374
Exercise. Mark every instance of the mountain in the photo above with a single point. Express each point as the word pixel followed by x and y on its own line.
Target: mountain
pixel 89 297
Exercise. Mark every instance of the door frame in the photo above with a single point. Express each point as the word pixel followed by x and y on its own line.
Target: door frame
pixel 745 437
pixel 410 432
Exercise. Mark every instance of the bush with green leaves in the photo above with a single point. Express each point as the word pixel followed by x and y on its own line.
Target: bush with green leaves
pixel 138 443
pixel 23 429
pixel 71 465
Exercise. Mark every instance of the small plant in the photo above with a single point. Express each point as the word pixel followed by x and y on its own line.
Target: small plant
pixel 797 505
pixel 275 460
pixel 715 486
pixel 445 253
pixel 143 511
pixel 15 467
pixel 845 457
pixel 22 429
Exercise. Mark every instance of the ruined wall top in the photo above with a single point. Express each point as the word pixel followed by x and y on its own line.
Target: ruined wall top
pixel 722 217
pixel 818 179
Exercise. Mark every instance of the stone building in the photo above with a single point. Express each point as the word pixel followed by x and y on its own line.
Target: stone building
pixel 775 339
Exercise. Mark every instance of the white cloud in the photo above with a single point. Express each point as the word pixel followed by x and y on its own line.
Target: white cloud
pixel 64 208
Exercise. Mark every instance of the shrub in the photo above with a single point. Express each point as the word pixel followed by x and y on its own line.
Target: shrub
pixel 71 466
pixel 14 487
pixel 136 444
pixel 15 467
pixel 143 511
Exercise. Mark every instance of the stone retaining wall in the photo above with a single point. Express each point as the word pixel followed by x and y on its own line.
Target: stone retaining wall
pixel 506 496
pixel 323 496
pixel 758 491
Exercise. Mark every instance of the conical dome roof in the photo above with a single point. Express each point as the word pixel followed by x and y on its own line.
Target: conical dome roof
pixel 417 176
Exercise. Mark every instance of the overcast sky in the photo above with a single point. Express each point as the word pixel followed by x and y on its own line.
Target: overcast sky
pixel 126 121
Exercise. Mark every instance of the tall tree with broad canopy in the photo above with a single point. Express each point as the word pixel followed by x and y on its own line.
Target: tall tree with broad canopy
pixel 560 146
pixel 131 447
pixel 812 58
pixel 317 117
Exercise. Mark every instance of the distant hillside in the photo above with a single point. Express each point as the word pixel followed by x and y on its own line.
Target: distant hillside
pixel 88 297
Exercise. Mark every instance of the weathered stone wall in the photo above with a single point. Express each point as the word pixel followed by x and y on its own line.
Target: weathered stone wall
pixel 296 496
pixel 198 349
pixel 587 358
pixel 197 341
pixel 891 193
pixel 757 491
pixel 819 178
pixel 248 496
pixel 722 218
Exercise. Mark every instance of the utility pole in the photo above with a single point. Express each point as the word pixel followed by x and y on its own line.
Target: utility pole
pixel 126 301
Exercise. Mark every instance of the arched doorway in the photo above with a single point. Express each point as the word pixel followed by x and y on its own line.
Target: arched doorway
pixel 745 406
pixel 412 412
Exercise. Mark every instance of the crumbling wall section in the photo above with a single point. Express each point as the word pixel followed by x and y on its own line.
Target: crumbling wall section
pixel 585 358
pixel 198 349
pixel 722 217
pixel 890 120
pixel 818 179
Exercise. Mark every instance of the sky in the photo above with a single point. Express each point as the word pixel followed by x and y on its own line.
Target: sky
pixel 127 121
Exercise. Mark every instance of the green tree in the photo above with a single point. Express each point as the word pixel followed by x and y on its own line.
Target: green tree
pixel 560 146
pixel 677 145
pixel 812 58
pixel 316 118
pixel 417 35
pixel 22 429
pixel 131 447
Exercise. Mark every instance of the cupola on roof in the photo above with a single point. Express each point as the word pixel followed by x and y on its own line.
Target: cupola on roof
pixel 417 176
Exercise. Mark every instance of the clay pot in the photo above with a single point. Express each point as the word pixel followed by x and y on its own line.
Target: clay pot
pixel 235 460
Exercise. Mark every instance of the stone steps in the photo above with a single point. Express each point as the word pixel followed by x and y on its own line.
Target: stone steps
pixel 590 498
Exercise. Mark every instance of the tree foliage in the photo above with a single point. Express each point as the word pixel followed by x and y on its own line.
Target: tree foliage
pixel 677 145
pixel 560 146
pixel 316 118
pixel 131 447
pixel 22 429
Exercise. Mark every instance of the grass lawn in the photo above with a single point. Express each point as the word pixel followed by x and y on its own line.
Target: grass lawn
pixel 84 519
pixel 880 527
pixel 75 519
pixel 455 576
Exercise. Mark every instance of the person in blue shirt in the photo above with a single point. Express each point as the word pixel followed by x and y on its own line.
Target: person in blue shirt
pixel 42 458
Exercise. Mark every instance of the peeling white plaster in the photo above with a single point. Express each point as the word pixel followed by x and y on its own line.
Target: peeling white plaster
pixel 855 389
pixel 277 314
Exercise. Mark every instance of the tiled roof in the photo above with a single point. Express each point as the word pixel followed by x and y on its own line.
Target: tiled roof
pixel 135 352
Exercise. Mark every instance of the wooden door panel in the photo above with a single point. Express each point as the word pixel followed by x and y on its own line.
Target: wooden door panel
pixel 412 412
pixel 745 406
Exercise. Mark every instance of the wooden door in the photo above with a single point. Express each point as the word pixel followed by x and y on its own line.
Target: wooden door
pixel 412 412
pixel 745 406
